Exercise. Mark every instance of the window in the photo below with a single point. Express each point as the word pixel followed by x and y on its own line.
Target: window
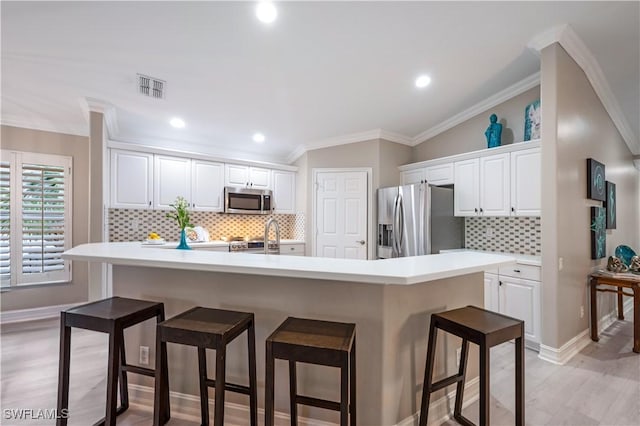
pixel 35 218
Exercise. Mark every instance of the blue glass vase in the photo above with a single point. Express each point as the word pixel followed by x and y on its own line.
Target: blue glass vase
pixel 183 241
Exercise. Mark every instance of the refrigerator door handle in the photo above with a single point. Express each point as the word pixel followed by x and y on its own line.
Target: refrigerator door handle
pixel 394 246
pixel 400 223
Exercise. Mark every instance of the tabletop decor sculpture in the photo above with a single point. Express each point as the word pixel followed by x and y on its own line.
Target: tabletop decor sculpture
pixel 614 264
pixel 493 132
pixel 635 265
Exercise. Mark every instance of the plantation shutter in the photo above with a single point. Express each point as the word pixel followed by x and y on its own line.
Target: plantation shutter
pixel 5 223
pixel 35 218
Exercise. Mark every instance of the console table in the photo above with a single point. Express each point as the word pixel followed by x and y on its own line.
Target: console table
pixel 620 282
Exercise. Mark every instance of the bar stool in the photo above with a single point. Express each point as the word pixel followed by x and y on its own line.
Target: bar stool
pixel 485 329
pixel 208 328
pixel 314 342
pixel 111 316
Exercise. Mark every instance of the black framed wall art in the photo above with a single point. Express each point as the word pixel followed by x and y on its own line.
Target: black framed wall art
pixel 611 205
pixel 596 188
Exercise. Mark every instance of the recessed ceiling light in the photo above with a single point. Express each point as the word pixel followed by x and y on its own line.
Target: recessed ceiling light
pixel 258 137
pixel 176 122
pixel 423 81
pixel 266 12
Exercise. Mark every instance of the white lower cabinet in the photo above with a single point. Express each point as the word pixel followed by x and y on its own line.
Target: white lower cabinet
pixel 292 249
pixel 516 297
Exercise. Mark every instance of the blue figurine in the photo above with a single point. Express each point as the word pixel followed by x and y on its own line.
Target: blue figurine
pixel 493 132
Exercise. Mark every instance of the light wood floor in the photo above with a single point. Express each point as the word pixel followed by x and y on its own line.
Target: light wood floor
pixel 599 386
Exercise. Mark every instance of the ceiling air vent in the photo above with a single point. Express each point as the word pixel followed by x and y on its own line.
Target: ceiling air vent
pixel 151 86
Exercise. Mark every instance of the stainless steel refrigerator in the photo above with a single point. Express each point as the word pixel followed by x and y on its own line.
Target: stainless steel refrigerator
pixel 417 219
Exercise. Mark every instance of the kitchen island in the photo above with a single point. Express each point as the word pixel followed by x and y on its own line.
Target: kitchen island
pixel 390 301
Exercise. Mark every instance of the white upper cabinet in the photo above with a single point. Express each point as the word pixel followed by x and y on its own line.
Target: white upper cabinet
pixel 259 178
pixel 207 186
pixel 131 179
pixel 412 176
pixel 172 179
pixel 466 187
pixel 250 177
pixel 284 191
pixel 441 174
pixel 494 185
pixel 526 182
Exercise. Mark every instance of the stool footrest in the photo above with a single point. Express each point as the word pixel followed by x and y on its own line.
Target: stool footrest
pixel 231 387
pixel 138 370
pixel 317 402
pixel 463 420
pixel 446 382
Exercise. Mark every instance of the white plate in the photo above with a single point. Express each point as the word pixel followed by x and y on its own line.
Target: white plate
pixel 154 242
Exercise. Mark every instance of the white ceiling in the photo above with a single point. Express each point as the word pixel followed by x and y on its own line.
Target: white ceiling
pixel 322 70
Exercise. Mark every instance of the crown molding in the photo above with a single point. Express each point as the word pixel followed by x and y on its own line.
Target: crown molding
pixel 500 97
pixel 43 126
pixel 575 47
pixel 108 112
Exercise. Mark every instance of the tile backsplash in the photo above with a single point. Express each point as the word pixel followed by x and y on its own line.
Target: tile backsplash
pixel 135 225
pixel 510 234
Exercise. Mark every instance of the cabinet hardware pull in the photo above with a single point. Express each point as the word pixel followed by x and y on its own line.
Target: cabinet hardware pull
pixel 481 210
pixel 149 203
pixel 475 210
pixel 500 282
pixel 516 270
pixel 513 209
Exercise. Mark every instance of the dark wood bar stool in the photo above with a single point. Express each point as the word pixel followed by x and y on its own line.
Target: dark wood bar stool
pixel 111 316
pixel 314 342
pixel 485 329
pixel 208 329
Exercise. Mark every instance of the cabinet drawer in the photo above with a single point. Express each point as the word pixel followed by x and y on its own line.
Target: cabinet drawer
pixel 528 272
pixel 292 249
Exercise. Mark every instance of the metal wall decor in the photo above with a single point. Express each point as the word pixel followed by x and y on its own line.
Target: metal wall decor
pixel 596 189
pixel 610 205
pixel 598 233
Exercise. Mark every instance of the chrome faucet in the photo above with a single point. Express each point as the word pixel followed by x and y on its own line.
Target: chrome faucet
pixel 267 227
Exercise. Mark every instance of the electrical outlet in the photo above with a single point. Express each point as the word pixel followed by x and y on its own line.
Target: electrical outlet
pixel 458 354
pixel 135 225
pixel 488 232
pixel 560 264
pixel 582 311
pixel 144 355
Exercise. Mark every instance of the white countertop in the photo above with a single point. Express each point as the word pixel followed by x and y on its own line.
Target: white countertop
pixel 403 271
pixel 522 259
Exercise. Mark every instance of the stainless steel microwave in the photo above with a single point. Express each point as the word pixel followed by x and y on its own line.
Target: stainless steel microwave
pixel 247 200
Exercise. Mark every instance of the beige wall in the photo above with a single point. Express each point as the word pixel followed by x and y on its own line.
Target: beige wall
pixel 576 127
pixel 469 136
pixel 77 147
pixel 383 157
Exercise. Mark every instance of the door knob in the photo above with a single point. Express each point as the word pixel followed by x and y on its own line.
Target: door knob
pixel 361 242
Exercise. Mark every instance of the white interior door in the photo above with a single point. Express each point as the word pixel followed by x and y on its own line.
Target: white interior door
pixel 341 214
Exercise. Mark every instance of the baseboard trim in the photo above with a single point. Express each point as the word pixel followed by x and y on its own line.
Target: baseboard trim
pixel 439 410
pixel 187 407
pixel 45 312
pixel 563 354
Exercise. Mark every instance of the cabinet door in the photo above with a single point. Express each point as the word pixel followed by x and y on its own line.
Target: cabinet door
pixel 442 174
pixel 131 179
pixel 207 186
pixel 412 176
pixel 466 187
pixel 521 299
pixel 235 175
pixel 172 179
pixel 526 182
pixel 494 185
pixel 259 178
pixel 284 192
pixel 491 292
